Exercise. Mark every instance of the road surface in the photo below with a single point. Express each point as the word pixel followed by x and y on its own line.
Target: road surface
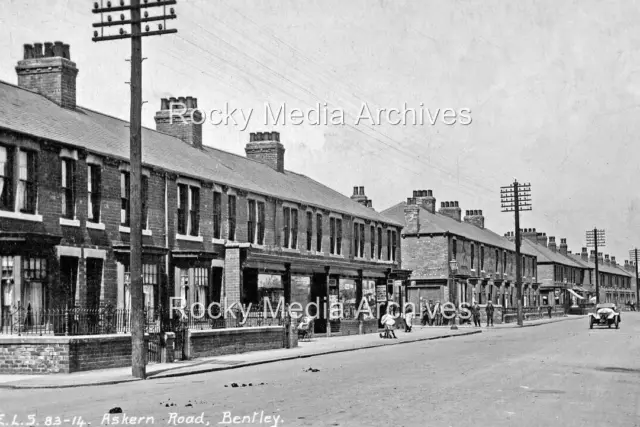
pixel 561 374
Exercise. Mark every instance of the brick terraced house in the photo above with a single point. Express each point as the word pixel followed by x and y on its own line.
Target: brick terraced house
pixel 216 225
pixel 485 260
pixel 616 281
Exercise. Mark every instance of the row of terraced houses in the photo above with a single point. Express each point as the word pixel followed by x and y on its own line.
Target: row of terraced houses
pixel 222 226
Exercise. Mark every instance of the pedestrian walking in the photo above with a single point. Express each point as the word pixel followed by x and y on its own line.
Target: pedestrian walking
pixel 475 311
pixel 388 322
pixel 437 311
pixel 489 311
pixel 408 320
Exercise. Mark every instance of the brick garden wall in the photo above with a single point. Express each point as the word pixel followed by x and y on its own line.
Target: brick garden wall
pixel 218 342
pixel 63 355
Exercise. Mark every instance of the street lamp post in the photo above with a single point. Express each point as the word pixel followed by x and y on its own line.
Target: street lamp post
pixel 453 267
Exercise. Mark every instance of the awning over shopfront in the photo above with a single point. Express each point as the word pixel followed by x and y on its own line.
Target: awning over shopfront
pixel 574 294
pixel 579 289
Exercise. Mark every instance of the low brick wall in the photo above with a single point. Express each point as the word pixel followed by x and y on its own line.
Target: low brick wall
pixel 217 342
pixel 53 355
pixel 370 326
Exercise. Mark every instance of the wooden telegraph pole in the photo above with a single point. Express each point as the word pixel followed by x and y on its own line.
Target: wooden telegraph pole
pixel 135 20
pixel 595 238
pixel 633 255
pixel 516 198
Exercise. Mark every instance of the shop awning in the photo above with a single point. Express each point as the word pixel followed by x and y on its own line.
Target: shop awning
pixel 574 294
pixel 579 289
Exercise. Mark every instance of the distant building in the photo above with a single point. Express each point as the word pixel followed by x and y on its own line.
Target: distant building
pixel 485 260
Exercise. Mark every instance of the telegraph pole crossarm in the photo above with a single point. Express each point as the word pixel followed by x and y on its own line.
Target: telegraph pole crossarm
pixel 135 33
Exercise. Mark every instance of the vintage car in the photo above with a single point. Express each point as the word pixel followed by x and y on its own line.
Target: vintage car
pixel 606 314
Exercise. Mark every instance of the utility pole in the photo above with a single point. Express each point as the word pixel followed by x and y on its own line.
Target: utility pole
pixel 633 254
pixel 517 198
pixel 135 20
pixel 595 238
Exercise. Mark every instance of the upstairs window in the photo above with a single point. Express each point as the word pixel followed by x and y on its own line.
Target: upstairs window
pixel 454 249
pixel 482 258
pixel 504 262
pixel 338 250
pixel 217 214
pixel 388 245
pixel 332 235
pixel 394 245
pixel 27 194
pixel 232 218
pixel 309 230
pixel 261 221
pixel 356 240
pixel 362 240
pixel 379 243
pixel 6 179
pixel 473 256
pixel 94 185
pixel 290 228
pixel 188 210
pixel 497 261
pixel 372 241
pixel 125 198
pixel 68 188
pixel 251 223
pixel 145 202
pixel 319 233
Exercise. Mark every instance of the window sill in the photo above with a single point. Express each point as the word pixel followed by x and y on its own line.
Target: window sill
pixel 70 222
pixel 189 238
pixel 291 250
pixel 20 215
pixel 95 225
pixel 123 229
pixel 218 241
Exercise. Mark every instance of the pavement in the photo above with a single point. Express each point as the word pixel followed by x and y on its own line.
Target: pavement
pixel 317 346
pixel 557 375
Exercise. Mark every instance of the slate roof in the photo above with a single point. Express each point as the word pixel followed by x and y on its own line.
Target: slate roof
pixel 32 114
pixel 602 267
pixel 545 254
pixel 438 224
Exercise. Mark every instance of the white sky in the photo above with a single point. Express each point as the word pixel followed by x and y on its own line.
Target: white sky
pixel 553 87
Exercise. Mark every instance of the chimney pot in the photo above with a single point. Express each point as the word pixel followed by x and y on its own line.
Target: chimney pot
pixel 188 128
pixel 355 191
pixel 362 191
pixel 58 49
pixel 37 47
pixel 266 148
pixel 66 51
pixel 48 50
pixel 28 51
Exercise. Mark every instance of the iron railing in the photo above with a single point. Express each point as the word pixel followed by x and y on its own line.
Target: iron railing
pixel 110 320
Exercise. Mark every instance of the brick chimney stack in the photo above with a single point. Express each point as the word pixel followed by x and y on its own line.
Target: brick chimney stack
pixel 451 209
pixel 411 216
pixel 181 118
pixel 584 255
pixel 542 239
pixel 552 243
pixel 563 246
pixel 613 261
pixel 474 217
pixel 530 234
pixel 600 260
pixel 592 256
pixel 50 73
pixel 607 261
pixel 360 197
pixel 265 147
pixel 425 199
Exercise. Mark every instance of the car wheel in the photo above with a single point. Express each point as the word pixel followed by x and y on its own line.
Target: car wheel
pixel 591 323
pixel 617 323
